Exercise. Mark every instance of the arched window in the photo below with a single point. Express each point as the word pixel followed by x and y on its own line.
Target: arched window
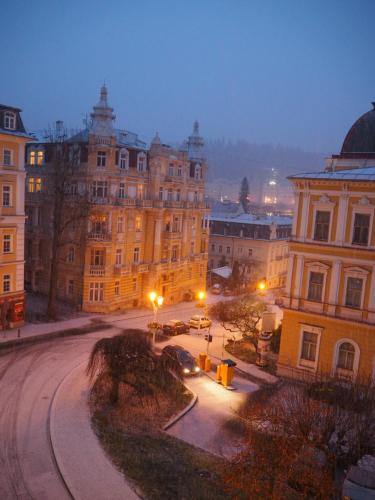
pixel 9 120
pixel 346 356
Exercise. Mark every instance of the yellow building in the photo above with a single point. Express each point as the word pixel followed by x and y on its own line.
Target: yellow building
pixel 148 222
pixel 12 215
pixel 259 244
pixel 329 318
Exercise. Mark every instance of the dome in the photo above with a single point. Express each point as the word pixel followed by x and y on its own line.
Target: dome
pixel 361 136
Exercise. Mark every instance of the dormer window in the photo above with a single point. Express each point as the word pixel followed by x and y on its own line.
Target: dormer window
pixel 101 159
pixel 141 163
pixel 124 159
pixel 10 120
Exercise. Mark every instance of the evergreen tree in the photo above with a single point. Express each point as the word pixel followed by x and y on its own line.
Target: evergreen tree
pixel 244 195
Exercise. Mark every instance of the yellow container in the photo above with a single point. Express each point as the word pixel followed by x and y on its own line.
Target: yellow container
pixel 227 374
pixel 202 360
pixel 207 365
pixel 218 373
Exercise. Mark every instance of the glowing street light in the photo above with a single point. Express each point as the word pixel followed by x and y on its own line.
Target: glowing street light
pixel 156 301
pixel 262 285
pixel 201 295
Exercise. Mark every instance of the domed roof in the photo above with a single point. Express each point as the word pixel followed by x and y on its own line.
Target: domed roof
pixel 361 136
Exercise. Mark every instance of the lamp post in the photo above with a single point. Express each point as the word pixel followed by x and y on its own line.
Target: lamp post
pixel 156 301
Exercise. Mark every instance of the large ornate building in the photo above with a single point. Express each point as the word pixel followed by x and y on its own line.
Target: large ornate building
pixel 147 227
pixel 329 319
pixel 13 138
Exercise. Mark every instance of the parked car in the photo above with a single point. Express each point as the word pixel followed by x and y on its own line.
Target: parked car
pixel 175 327
pixel 216 289
pixel 183 357
pixel 199 322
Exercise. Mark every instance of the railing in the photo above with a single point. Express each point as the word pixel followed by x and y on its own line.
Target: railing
pixel 140 268
pixel 122 269
pixel 97 270
pixel 99 236
pixel 172 235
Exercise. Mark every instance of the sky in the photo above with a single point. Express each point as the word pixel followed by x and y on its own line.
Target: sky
pixel 290 72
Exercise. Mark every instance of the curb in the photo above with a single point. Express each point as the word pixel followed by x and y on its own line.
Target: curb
pixel 82 330
pixel 183 412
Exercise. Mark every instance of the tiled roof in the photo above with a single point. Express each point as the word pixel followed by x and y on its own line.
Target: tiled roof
pixel 354 174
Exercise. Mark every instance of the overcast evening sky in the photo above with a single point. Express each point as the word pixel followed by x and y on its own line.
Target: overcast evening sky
pixel 296 73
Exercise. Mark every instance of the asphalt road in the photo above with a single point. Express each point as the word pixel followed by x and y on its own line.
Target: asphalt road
pixel 29 379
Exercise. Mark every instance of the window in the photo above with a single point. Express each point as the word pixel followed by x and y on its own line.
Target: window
pixel 7 243
pixel 174 253
pixel 170 170
pixel 135 284
pixel 315 291
pixel 121 191
pixel 192 248
pixel 120 224
pixel 136 255
pixel 124 160
pixel 228 250
pixel 6 283
pixel 321 231
pixel 32 158
pixel 141 164
pixel 178 195
pixel 101 159
pixel 195 196
pixel 40 157
pixel 96 292
pixel 170 195
pixel 34 185
pixel 212 247
pixel 117 288
pixel 97 257
pixel 7 201
pixel 100 189
pixel 118 257
pixel 361 229
pixel 138 223
pixel 250 251
pixel 9 120
pixel 7 157
pixel 220 248
pixel 161 194
pixel 73 189
pixel 71 254
pixel 179 171
pixel 140 191
pixel 99 224
pixel 70 287
pixel 346 356
pixel 353 295
pixel 309 346
pixel 197 172
pixel 175 225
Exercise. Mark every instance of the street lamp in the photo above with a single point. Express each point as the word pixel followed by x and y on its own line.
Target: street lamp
pixel 156 301
pixel 262 285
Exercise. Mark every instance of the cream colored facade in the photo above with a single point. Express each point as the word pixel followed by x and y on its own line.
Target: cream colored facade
pixel 261 243
pixel 329 319
pixel 12 215
pixel 148 222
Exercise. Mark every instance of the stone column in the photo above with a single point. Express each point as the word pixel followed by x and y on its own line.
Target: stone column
pixel 305 215
pixel 298 282
pixel 341 219
pixel 334 287
pixel 371 302
pixel 157 241
pixel 295 216
pixel 288 283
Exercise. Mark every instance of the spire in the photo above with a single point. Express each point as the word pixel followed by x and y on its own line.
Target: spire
pixel 102 116
pixel 156 140
pixel 195 143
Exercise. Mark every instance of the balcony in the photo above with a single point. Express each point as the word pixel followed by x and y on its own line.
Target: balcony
pixel 172 235
pixel 144 203
pixel 140 268
pixel 122 269
pixel 97 270
pixel 99 236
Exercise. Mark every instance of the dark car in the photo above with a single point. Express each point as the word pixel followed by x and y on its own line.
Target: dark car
pixel 175 327
pixel 183 357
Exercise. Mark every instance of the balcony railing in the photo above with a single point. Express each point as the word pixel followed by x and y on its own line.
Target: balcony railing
pixel 97 270
pixel 172 235
pixel 122 269
pixel 99 236
pixel 140 268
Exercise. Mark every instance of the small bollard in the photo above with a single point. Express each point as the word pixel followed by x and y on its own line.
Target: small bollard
pixel 19 333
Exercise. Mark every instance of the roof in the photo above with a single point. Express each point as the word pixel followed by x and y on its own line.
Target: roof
pixel 12 108
pixel 361 136
pixel 265 220
pixel 16 133
pixel 353 174
pixel 224 272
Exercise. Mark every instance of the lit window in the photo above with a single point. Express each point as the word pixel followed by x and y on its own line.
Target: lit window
pixel 138 223
pixel 309 346
pixel 71 254
pixel 6 283
pixel 117 288
pixel 354 292
pixel 361 229
pixel 7 201
pixel 7 157
pixel 32 158
pixel 34 185
pixel 118 257
pixel 321 231
pixel 346 356
pixel 121 191
pixel 101 159
pixel 9 120
pixel 315 286
pixel 96 292
pixel 136 255
pixel 7 243
pixel 40 157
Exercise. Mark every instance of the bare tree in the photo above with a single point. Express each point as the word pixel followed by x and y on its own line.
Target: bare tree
pixel 69 203
pixel 240 315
